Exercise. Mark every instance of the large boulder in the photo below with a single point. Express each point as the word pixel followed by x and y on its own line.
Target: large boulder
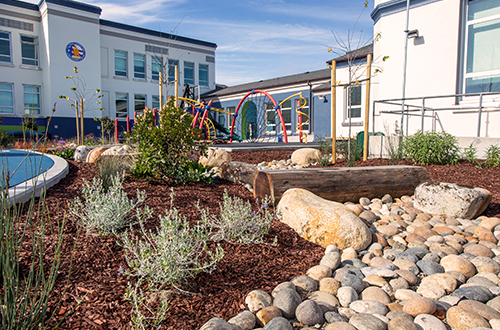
pixel 305 156
pixel 81 153
pixel 451 199
pixel 118 150
pixel 323 222
pixel 94 154
pixel 238 172
pixel 215 157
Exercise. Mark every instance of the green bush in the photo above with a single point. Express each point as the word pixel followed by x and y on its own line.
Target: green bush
pixel 470 153
pixel 492 156
pixel 325 147
pixel 237 222
pixel 355 154
pixel 431 148
pixel 6 140
pixel 166 149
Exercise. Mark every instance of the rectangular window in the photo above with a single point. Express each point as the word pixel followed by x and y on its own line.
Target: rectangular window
pixel 286 112
pixel 221 118
pixel 156 67
pixel 482 64
pixel 139 66
pixel 29 50
pixel 304 110
pixel 171 69
pixel 203 75
pixel 121 105
pixel 120 63
pixel 355 102
pixel 5 53
pixel 155 101
pixel 139 103
pixel 6 98
pixel 271 118
pixel 189 73
pixel 31 100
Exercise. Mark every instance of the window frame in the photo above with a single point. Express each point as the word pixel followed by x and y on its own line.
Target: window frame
pixel 186 67
pixel 205 84
pixel 271 127
pixel 156 61
pixel 288 126
pixel 123 114
pixel 155 99
pixel 12 98
pixel 495 73
pixel 355 121
pixel 36 58
pixel 9 40
pixel 143 61
pixel 118 71
pixel 38 92
pixel 171 69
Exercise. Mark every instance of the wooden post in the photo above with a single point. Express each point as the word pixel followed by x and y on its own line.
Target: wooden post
pixel 367 104
pixel 77 122
pixel 334 112
pixel 160 79
pixel 116 131
pixel 176 88
pixel 81 120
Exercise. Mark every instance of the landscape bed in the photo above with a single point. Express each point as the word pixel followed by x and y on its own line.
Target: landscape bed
pixel 97 281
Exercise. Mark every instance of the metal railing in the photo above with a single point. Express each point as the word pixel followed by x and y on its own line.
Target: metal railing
pixel 416 107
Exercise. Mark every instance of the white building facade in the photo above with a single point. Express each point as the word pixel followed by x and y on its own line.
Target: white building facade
pixel 41 44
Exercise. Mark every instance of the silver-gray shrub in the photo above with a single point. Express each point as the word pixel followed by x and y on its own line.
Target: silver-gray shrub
pixel 237 222
pixel 108 211
pixel 175 252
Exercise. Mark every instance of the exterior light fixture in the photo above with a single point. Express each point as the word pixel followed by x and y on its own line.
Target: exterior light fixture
pixel 412 34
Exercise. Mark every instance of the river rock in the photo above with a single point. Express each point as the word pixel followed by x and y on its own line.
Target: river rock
pixel 409 276
pixel 329 285
pixel 265 315
pixel 340 326
pixel 484 264
pixel 478 293
pixel 216 323
pixel 346 295
pixel 305 156
pixel 323 222
pixel 215 157
pixel 453 200
pixel 484 310
pixel 375 293
pixel 429 322
pixel 258 299
pixel 401 324
pixel 367 322
pixel 429 267
pixel 431 290
pixel 319 272
pixel 278 323
pixel 245 320
pixel 369 307
pixel 333 317
pixel 331 260
pixel 281 286
pixel 304 285
pixel 479 250
pixel 460 318
pixel 309 313
pixel 287 301
pixel 446 281
pixel 421 305
pixel 458 263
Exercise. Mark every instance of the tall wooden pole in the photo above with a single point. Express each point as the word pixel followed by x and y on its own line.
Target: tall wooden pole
pixel 176 88
pixel 334 114
pixel 81 121
pixel 367 104
pixel 160 79
pixel 77 107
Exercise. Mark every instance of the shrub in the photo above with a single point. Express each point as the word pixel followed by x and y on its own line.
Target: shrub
pixel 470 153
pixel 111 166
pixel 354 154
pixel 6 140
pixel 492 156
pixel 431 148
pixel 325 148
pixel 107 212
pixel 165 148
pixel 173 253
pixel 237 222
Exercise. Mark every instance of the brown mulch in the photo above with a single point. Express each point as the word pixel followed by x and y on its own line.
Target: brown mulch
pixel 97 283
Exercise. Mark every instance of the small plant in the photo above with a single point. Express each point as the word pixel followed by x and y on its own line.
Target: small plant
pixel 492 156
pixel 325 148
pixel 470 153
pixel 172 254
pixel 111 166
pixel 107 127
pixel 431 148
pixel 355 152
pixel 194 171
pixel 393 143
pixel 237 222
pixel 108 212
pixel 6 140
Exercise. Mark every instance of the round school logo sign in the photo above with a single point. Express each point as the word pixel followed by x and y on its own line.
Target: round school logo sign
pixel 75 51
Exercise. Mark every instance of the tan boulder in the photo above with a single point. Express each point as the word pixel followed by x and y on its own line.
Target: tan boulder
pixel 94 154
pixel 215 157
pixel 323 222
pixel 305 156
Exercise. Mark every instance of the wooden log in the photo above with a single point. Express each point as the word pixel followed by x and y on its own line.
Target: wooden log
pixel 342 184
pixel 238 172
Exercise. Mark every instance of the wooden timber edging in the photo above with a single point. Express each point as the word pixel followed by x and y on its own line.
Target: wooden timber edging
pixel 342 184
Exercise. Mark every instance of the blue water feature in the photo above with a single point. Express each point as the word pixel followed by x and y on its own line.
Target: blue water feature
pixel 20 165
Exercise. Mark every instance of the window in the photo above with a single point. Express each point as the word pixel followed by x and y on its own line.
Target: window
pixel 6 98
pixel 221 118
pixel 171 69
pixel 139 66
pixel 29 50
pixel 271 118
pixel 139 103
pixel 203 75
pixel 189 73
pixel 156 65
pixel 5 47
pixel 155 101
pixel 120 63
pixel 482 63
pixel 304 110
pixel 355 102
pixel 286 112
pixel 121 105
pixel 31 100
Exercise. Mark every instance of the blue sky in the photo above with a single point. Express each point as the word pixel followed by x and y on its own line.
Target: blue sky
pixel 257 39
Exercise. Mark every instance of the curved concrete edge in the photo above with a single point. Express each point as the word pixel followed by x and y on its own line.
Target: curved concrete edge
pixel 35 186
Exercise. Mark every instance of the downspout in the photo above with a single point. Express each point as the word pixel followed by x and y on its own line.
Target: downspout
pixel 404 64
pixel 311 111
